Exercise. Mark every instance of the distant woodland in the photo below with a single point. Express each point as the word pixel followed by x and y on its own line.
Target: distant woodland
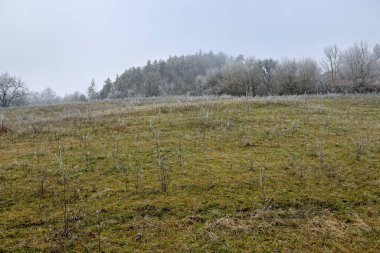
pixel 352 70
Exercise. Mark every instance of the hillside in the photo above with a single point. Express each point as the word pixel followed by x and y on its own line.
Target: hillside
pixel 198 174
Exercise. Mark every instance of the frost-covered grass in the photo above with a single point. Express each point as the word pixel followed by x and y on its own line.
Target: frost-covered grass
pixel 270 174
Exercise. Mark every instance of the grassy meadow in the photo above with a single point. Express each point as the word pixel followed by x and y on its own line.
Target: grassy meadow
pixel 276 174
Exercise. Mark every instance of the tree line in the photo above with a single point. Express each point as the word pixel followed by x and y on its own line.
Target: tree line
pixel 352 70
pixel 355 69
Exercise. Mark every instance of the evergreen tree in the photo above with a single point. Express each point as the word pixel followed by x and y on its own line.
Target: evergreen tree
pixel 106 90
pixel 91 91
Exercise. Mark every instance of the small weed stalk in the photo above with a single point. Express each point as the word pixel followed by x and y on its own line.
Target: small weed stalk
pixel 119 164
pixel 64 182
pixel 294 128
pixel 139 173
pixel 27 170
pixel 115 154
pixel 179 153
pixel 359 149
pixel 164 170
pixel 165 174
pixel 3 128
pixel 321 154
pixel 65 203
pixel 250 163
pixel 85 145
pixel 125 171
pixel 327 123
pixel 274 136
pixel 263 189
pixel 42 176
pixel 204 142
pixel 297 166
pixel 301 169
pixel 99 230
pixel 57 139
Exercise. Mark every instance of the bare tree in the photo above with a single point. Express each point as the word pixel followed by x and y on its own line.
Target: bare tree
pixel 211 83
pixel 12 90
pixel 376 54
pixel 48 97
pixel 331 63
pixel 308 75
pixel 268 67
pixel 286 77
pixel 254 75
pixel 376 51
pixel 359 64
pixel 234 78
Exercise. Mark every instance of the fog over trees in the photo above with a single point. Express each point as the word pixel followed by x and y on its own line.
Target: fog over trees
pixel 355 69
pixel 359 65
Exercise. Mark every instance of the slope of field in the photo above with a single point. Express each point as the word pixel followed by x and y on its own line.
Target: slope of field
pixel 286 174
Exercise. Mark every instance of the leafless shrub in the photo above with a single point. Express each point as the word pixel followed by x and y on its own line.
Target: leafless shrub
pixel 359 148
pixel 118 161
pixel 294 127
pixel 297 165
pixel 204 118
pixel 274 136
pixel 321 154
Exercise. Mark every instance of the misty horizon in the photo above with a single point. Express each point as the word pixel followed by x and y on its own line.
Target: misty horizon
pixel 65 44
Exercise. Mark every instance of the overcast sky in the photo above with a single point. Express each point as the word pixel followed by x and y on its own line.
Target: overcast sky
pixel 63 44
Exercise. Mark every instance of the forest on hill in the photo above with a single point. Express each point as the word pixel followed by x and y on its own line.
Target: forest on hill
pixel 355 69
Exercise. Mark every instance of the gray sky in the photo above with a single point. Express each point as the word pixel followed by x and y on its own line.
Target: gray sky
pixel 63 44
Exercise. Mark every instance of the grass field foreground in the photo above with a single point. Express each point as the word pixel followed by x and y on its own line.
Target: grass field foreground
pixel 277 174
